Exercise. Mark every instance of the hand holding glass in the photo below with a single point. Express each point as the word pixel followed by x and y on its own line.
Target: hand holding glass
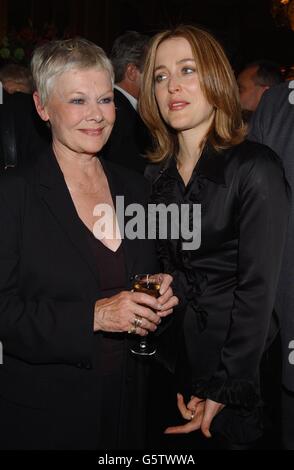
pixel 148 284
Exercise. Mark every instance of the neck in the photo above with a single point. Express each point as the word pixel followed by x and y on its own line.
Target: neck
pixel 189 151
pixel 129 87
pixel 81 172
pixel 73 161
pixel 191 142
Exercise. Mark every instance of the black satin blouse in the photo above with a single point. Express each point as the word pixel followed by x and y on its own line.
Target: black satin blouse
pixel 228 285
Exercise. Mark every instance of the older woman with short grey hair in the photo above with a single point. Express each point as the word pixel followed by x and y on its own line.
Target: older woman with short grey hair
pixel 68 380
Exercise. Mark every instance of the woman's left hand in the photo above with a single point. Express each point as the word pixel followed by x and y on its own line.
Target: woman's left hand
pixel 200 414
pixel 167 299
pixel 212 408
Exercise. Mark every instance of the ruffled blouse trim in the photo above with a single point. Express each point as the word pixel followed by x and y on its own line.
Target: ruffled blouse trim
pixel 234 392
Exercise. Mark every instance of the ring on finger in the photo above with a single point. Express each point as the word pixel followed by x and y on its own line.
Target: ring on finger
pixel 192 414
pixel 132 330
pixel 137 322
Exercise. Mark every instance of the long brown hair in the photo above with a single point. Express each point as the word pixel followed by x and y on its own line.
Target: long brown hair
pixel 217 82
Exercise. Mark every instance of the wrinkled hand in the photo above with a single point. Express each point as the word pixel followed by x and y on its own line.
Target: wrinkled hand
pixel 116 314
pixel 167 299
pixel 200 414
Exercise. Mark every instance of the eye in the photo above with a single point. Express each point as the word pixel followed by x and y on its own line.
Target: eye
pixel 188 70
pixel 160 77
pixel 107 100
pixel 77 101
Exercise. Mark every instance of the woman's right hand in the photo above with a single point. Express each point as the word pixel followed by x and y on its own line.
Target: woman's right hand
pixel 116 314
pixel 198 412
pixel 193 412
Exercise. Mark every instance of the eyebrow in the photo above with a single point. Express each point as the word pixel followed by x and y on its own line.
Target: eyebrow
pixel 77 92
pixel 178 62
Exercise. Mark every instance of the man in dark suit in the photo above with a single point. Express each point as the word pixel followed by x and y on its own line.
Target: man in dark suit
pixel 130 139
pixel 273 125
pixel 23 135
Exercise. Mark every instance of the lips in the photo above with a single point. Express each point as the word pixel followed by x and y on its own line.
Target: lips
pixel 177 105
pixel 92 132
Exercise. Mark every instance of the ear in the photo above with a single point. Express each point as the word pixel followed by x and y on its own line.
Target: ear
pixel 132 72
pixel 41 109
pixel 261 90
pixel 9 86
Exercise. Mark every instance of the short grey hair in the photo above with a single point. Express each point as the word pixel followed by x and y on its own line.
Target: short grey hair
pixel 267 73
pixel 56 57
pixel 128 48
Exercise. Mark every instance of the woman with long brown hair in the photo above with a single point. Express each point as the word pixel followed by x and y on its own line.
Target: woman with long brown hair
pixel 189 100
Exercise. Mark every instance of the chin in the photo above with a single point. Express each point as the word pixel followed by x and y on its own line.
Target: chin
pixel 179 124
pixel 91 149
pixel 181 127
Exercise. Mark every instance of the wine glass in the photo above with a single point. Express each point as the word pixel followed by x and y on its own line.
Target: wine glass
pixel 149 284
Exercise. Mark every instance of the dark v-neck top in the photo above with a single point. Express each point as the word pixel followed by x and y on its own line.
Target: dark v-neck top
pixel 110 350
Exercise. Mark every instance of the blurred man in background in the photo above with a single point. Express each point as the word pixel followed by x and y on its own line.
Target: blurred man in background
pixel 23 135
pixel 253 81
pixel 16 78
pixel 130 138
pixel 273 125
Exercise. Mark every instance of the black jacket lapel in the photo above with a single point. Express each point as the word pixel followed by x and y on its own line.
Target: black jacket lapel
pixel 56 196
pixel 118 188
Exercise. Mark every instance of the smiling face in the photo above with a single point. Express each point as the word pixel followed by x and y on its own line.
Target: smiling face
pixel 80 110
pixel 177 88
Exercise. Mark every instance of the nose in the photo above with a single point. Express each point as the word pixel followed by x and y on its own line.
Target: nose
pixel 94 113
pixel 173 84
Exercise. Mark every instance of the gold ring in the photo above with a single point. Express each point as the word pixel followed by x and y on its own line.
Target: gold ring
pixel 137 321
pixel 133 330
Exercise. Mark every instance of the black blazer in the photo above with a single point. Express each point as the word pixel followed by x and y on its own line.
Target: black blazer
pixel 48 287
pixel 129 140
pixel 229 283
pixel 273 124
